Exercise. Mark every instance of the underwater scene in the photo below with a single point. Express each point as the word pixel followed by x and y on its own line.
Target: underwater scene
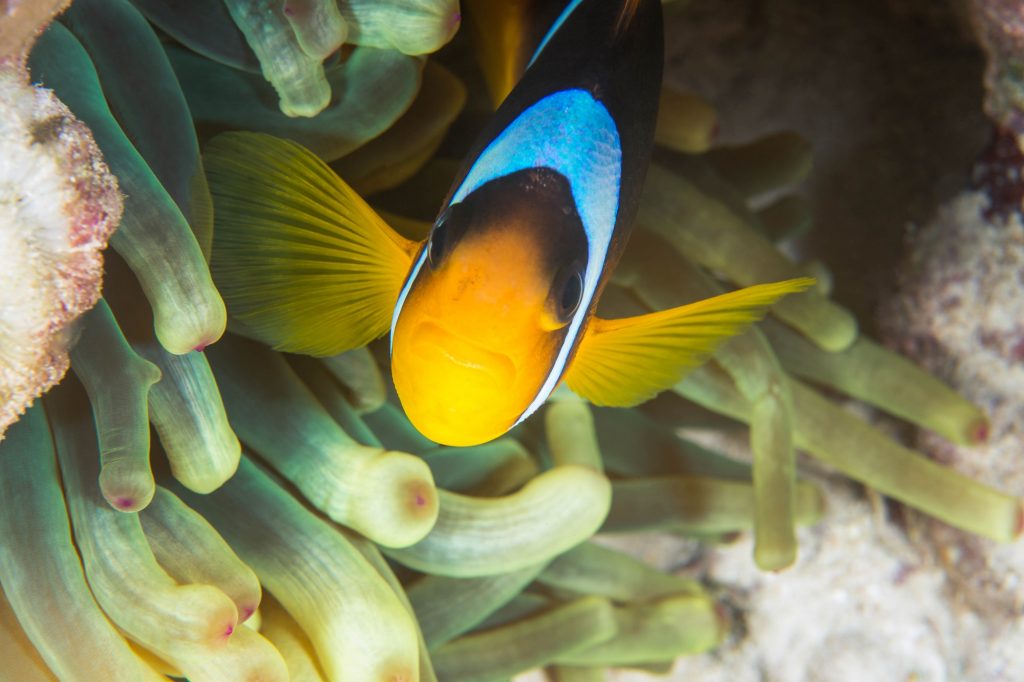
pixel 511 340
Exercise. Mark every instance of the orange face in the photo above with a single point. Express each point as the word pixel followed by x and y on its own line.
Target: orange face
pixel 484 320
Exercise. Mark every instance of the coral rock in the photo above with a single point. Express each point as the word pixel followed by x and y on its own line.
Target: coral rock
pixel 960 313
pixel 58 206
pixel 21 22
pixel 999 25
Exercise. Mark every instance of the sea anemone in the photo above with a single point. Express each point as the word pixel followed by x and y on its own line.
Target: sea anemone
pixel 287 520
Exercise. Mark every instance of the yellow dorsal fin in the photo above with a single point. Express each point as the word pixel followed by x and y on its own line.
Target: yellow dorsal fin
pixel 503 39
pixel 621 363
pixel 303 263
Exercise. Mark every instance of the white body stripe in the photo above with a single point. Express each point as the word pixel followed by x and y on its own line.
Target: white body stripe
pixel 573 134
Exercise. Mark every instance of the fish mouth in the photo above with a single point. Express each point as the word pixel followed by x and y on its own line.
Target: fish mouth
pixel 434 342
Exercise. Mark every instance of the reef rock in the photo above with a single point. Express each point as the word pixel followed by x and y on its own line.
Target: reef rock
pixel 58 206
pixel 960 314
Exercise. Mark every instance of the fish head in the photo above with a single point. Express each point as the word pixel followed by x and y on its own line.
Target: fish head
pixel 486 310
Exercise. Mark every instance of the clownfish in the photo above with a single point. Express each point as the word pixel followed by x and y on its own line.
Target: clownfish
pixel 496 307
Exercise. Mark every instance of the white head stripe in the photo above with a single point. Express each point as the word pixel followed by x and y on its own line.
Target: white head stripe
pixel 554 29
pixel 405 292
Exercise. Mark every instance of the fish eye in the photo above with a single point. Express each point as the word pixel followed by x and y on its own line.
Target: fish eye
pixel 568 292
pixel 438 243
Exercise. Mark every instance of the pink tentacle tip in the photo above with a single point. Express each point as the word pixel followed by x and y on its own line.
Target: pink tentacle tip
pixel 723 616
pixel 420 500
pixel 289 11
pixel 455 19
pixel 124 503
pixel 247 612
pixel 980 432
pixel 1020 519
pixel 228 631
pixel 202 346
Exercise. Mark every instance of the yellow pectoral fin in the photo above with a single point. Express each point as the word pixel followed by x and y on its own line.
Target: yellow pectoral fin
pixel 303 263
pixel 621 363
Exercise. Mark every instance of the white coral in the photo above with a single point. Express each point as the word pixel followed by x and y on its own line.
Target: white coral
pixel 58 206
